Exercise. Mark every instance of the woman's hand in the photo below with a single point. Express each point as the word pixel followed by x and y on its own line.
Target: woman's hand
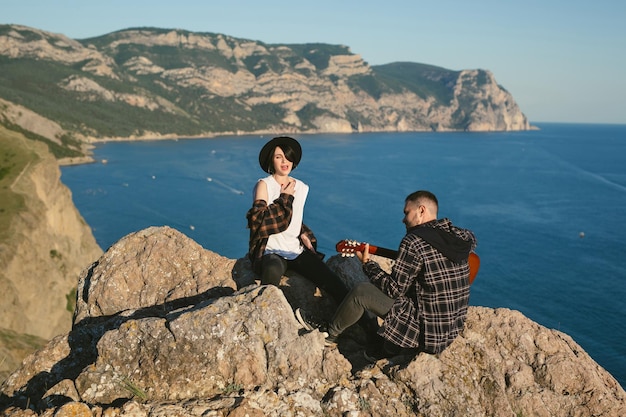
pixel 307 242
pixel 289 187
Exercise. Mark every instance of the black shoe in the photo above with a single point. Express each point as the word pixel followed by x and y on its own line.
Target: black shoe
pixel 385 350
pixel 309 322
pixel 374 355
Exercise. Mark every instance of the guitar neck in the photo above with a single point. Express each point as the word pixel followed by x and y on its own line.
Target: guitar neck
pixel 384 252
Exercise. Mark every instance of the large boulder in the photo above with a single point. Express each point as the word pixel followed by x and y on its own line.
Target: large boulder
pixel 165 327
pixel 155 267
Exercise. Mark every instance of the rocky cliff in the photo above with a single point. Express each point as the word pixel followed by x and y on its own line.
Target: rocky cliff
pixel 165 327
pixel 150 83
pixel 44 244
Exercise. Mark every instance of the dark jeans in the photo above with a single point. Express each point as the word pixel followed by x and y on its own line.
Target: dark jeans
pixel 364 296
pixel 308 265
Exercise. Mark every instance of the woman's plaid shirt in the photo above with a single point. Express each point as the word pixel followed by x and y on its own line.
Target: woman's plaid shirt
pixel 265 220
pixel 431 293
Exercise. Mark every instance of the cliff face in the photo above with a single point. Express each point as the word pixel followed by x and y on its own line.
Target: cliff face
pixel 165 327
pixel 46 246
pixel 158 82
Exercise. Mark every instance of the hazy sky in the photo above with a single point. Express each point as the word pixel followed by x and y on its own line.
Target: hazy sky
pixel 563 61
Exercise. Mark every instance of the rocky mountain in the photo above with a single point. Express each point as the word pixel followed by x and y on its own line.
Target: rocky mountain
pixel 150 83
pixel 44 245
pixel 164 327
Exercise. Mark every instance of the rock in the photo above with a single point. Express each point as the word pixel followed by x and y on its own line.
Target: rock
pixel 232 343
pixel 506 364
pixel 153 267
pixel 230 346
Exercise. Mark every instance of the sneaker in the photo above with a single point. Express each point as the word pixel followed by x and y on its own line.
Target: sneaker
pixel 309 322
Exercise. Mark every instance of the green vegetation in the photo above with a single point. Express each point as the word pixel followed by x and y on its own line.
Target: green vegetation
pixel 71 301
pixel 424 80
pixel 370 84
pixel 171 57
pixel 232 388
pixel 69 147
pixel 482 79
pixel 27 35
pixel 364 404
pixel 260 64
pixel 36 85
pixel 133 388
pixel 318 54
pixel 356 118
pixel 14 158
pixel 308 113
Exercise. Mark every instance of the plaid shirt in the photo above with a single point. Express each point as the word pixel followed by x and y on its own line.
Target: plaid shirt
pixel 265 220
pixel 431 292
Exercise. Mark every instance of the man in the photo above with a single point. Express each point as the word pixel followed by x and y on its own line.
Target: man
pixel 423 302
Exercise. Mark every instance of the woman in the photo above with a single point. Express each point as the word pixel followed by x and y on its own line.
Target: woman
pixel 279 240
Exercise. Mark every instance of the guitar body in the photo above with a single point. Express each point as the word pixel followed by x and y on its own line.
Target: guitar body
pixel 350 247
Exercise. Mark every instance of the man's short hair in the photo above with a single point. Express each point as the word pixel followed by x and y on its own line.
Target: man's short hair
pixel 420 195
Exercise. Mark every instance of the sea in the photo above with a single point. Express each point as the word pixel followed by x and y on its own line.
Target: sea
pixel 548 207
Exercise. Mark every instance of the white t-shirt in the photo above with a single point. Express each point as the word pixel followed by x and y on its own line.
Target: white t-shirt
pixel 287 243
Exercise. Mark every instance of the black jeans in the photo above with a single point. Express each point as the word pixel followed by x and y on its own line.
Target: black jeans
pixel 308 265
pixel 363 296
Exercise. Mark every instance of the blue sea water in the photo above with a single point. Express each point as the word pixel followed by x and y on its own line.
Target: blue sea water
pixel 547 206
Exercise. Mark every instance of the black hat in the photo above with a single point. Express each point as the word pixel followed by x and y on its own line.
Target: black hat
pixel 269 147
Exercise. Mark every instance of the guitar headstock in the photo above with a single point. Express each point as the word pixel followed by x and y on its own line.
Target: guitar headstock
pixel 349 247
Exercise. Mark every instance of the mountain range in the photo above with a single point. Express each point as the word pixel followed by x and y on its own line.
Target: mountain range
pixel 151 83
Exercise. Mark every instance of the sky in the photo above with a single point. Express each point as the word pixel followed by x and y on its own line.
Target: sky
pixel 562 60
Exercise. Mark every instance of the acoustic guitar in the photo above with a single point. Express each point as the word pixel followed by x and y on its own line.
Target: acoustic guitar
pixel 350 247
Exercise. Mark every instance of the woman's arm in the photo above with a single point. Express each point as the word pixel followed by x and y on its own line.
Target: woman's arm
pixel 260 192
pixel 265 220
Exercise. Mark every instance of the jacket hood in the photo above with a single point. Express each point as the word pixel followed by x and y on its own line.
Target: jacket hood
pixel 440 236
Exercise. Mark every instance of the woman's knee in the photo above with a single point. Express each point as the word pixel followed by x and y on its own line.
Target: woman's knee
pixel 272 269
pixel 270 276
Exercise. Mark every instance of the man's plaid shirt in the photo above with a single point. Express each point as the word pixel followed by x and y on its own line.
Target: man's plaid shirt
pixel 265 220
pixel 431 292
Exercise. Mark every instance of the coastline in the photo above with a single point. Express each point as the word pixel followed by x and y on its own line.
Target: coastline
pixel 153 136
